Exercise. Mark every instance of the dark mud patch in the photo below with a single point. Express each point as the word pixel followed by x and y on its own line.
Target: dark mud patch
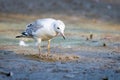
pixel 54 57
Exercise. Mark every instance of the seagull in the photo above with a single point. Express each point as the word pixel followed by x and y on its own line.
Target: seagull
pixel 43 30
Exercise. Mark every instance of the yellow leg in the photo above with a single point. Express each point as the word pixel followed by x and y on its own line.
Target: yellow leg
pixel 38 44
pixel 39 48
pixel 48 46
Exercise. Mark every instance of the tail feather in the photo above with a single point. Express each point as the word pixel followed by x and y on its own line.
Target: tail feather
pixel 24 35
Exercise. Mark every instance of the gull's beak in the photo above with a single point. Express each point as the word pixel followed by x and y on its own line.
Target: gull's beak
pixel 62 34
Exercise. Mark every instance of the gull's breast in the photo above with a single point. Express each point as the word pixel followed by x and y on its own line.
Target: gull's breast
pixel 45 34
pixel 46 37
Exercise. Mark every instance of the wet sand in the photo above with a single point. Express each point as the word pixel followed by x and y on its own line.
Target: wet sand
pixel 94 63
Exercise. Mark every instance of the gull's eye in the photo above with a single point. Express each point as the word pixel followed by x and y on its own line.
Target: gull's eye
pixel 58 28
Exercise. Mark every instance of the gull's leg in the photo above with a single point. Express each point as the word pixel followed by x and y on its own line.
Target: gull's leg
pixel 48 46
pixel 39 47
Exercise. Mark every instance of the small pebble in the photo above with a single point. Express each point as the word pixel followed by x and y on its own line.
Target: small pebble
pixel 105 78
pixel 91 36
pixel 10 74
pixel 104 45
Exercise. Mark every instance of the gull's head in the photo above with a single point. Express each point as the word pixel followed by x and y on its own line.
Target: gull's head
pixel 59 27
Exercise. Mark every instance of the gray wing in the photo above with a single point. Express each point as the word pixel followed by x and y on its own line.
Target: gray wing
pixel 32 27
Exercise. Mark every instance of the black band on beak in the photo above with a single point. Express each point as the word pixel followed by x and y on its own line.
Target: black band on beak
pixel 64 37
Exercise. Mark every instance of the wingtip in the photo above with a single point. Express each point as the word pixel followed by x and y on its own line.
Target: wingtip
pixel 19 36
